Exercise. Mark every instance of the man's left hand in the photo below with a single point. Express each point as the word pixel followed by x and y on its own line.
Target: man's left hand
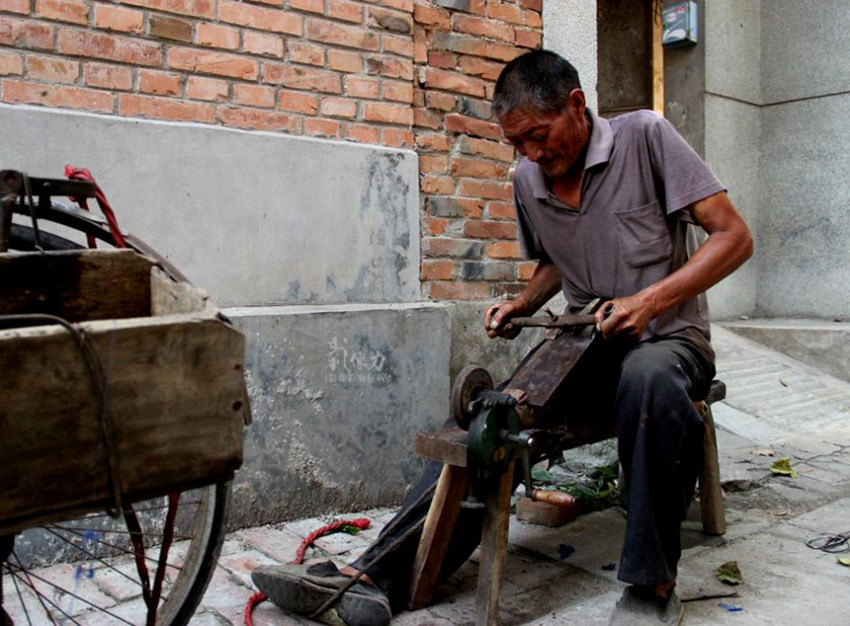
pixel 628 317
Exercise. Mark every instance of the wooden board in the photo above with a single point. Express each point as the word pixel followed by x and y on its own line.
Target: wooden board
pixel 173 388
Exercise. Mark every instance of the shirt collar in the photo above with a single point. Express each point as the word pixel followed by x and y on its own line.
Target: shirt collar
pixel 599 148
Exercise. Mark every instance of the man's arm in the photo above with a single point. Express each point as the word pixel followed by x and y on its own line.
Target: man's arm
pixel 729 244
pixel 544 284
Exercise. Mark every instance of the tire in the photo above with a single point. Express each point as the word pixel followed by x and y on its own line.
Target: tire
pixel 57 566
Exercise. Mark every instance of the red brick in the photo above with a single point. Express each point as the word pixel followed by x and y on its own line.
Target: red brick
pixel 451 247
pixel 402 46
pixel 57 96
pixel 470 126
pixel 471 207
pixel 501 210
pixel 194 8
pixel 391 67
pixel 15 6
pixel 466 290
pixel 307 53
pixel 532 19
pixel 10 63
pixel 258 119
pixel 261 18
pixel 441 101
pixel 543 513
pixel 490 149
pixel 159 83
pixel 505 12
pixel 105 76
pixel 452 81
pixel 210 89
pixel 485 189
pixel 218 36
pixel 262 44
pixel 432 16
pixel 389 113
pixel 345 10
pixel 340 35
pixel 529 38
pixel 427 119
pixel 399 92
pixel 109 47
pixel 358 87
pixel 420 45
pixel 403 5
pixel 108 17
pixel 433 183
pixel 477 168
pixel 254 96
pixel 526 270
pixel 433 164
pixel 211 62
pixel 483 28
pixel 465 44
pixel 436 225
pixel 339 107
pixel 437 270
pixel 24 34
pixel 131 105
pixel 277 3
pixel 168 27
pixel 397 138
pixel 302 78
pixel 52 69
pixel 313 6
pixel 298 102
pixel 534 5
pixel 441 59
pixel 73 11
pixel 362 133
pixel 504 250
pixel 316 127
pixel 394 21
pixel 489 70
pixel 427 142
pixel 345 61
pixel 486 229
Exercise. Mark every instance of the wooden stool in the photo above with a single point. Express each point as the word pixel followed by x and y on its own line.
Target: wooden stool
pixel 449 447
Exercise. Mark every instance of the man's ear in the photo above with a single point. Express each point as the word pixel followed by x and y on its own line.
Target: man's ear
pixel 577 101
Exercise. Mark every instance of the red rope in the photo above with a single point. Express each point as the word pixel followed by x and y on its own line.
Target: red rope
pixel 81 173
pixel 360 523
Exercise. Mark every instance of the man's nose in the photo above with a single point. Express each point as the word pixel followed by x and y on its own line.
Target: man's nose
pixel 533 152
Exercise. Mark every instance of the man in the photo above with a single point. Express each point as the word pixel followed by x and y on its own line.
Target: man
pixel 605 207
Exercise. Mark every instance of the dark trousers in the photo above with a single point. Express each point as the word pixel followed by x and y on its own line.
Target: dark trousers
pixel 649 388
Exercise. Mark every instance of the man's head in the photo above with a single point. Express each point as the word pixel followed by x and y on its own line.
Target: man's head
pixel 541 107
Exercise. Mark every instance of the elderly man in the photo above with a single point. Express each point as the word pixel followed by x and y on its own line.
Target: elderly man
pixel 605 207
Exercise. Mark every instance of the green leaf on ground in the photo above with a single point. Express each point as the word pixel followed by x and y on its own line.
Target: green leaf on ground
pixel 843 560
pixel 783 466
pixel 729 573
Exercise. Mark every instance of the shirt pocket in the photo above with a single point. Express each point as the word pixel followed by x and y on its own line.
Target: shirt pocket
pixel 643 235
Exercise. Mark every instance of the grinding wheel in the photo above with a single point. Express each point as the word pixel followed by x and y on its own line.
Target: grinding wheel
pixel 471 380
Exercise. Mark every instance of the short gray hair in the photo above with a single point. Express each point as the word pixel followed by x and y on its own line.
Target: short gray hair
pixel 538 80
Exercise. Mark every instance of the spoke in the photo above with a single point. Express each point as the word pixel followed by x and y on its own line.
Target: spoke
pixel 149 508
pixel 31 585
pixel 111 532
pixel 20 597
pixel 121 549
pixel 94 556
pixel 73 595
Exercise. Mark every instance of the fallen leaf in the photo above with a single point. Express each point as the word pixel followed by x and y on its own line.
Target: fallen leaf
pixel 729 573
pixel 783 382
pixel 762 452
pixel 783 466
pixel 781 513
pixel 843 560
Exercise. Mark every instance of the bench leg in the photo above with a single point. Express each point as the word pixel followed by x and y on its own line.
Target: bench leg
pixel 494 549
pixel 710 492
pixel 434 542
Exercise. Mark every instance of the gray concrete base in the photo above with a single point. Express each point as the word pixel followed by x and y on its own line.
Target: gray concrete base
pixel 337 393
pixel 820 343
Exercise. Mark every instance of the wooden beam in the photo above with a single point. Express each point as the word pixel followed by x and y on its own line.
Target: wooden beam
pixel 656 24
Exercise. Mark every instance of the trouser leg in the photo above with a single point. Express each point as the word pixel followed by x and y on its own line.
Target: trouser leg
pixel 660 445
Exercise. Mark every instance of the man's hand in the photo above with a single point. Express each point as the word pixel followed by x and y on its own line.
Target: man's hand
pixel 496 319
pixel 625 317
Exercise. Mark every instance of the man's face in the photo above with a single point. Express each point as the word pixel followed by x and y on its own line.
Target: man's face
pixel 556 140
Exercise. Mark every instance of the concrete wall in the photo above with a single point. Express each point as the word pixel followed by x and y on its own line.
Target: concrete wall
pixel 569 28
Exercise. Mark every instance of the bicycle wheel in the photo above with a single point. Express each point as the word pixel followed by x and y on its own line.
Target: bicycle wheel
pixel 149 566
pixel 85 571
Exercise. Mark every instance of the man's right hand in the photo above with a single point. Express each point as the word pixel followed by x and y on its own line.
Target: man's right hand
pixel 497 319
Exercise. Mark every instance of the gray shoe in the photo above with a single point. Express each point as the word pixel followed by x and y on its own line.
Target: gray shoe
pixel 302 589
pixel 637 607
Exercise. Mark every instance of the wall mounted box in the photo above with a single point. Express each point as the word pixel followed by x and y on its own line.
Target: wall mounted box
pixel 679 25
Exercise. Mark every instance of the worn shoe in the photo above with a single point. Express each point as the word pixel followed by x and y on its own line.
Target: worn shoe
pixel 637 607
pixel 302 589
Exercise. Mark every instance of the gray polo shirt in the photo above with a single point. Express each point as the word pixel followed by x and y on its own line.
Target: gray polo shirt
pixel 632 228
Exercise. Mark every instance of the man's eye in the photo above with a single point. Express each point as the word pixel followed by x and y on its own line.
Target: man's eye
pixel 539 136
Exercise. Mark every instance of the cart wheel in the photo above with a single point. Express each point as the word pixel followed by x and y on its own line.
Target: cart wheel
pixel 85 570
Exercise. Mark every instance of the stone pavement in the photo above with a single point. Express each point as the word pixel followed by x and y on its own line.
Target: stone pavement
pixel 774 403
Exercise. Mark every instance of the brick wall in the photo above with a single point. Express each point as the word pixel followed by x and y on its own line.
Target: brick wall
pixel 398 73
pixel 469 236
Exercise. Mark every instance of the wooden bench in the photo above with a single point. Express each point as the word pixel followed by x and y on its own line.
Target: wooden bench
pixel 449 447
